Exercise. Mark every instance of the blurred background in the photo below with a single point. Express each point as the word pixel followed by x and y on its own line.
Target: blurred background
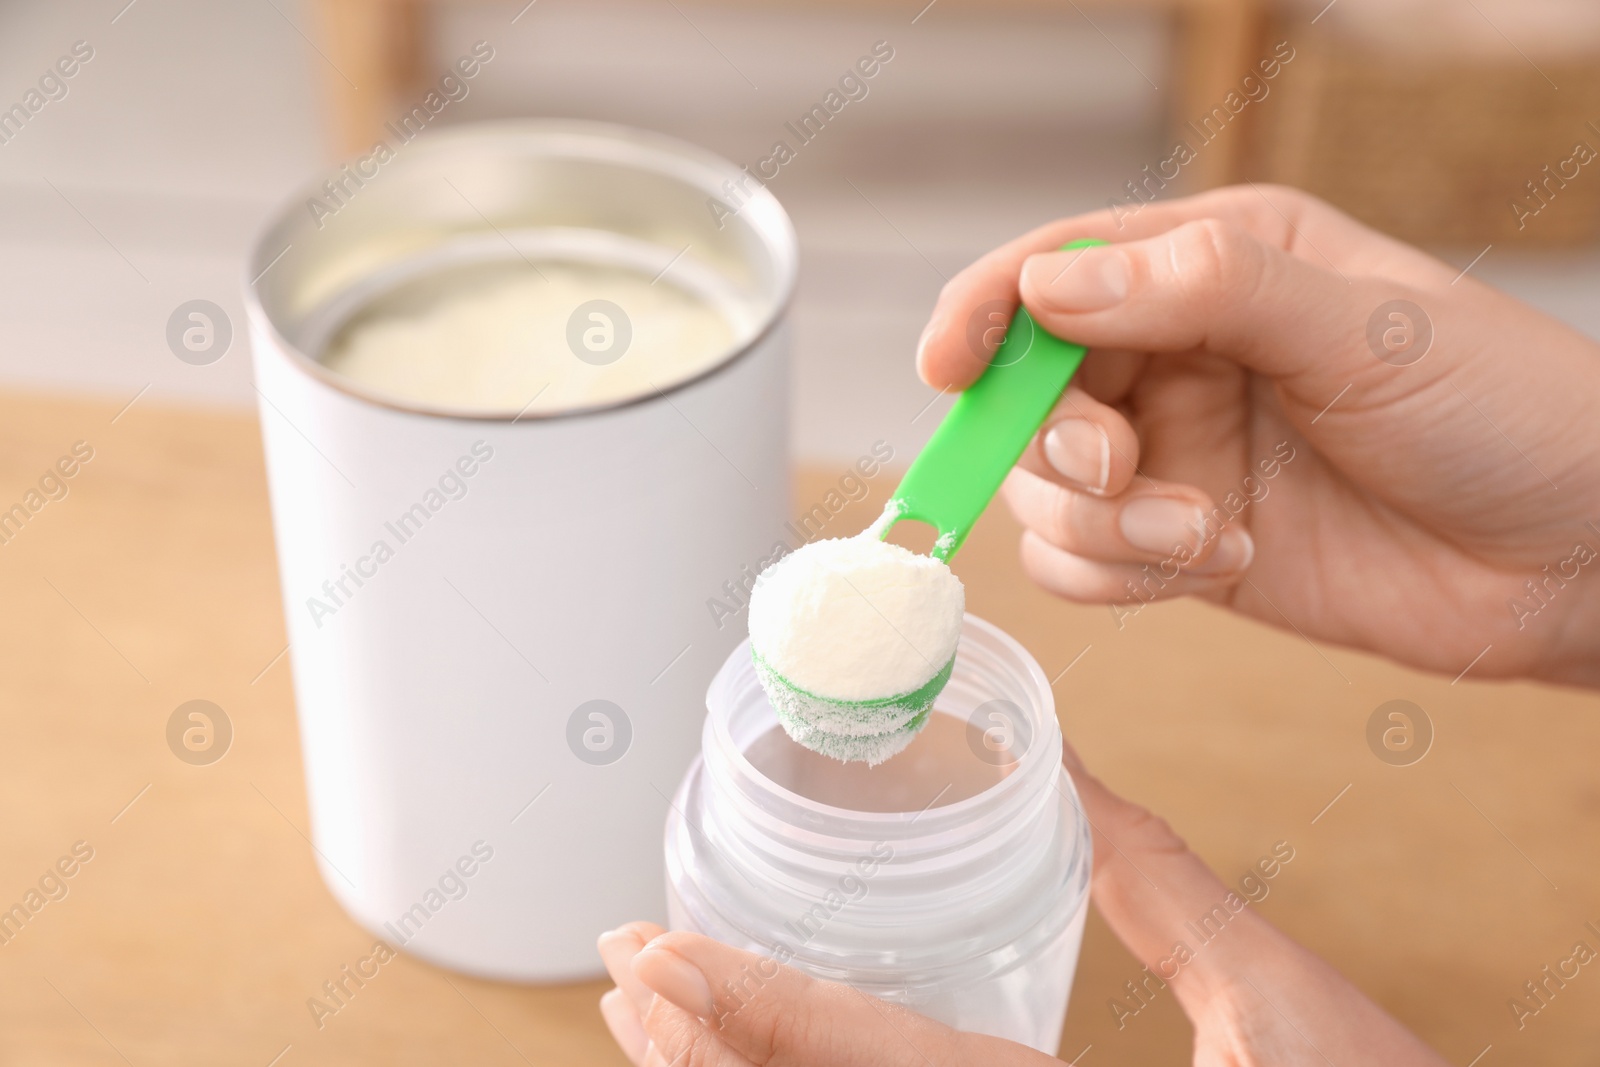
pixel 1469 126
pixel 144 185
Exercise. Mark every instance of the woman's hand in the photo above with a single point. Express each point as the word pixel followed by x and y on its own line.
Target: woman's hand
pixel 1258 422
pixel 1254 996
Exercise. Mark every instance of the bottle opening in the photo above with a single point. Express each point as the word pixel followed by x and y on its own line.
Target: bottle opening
pixel 990 744
pixel 949 761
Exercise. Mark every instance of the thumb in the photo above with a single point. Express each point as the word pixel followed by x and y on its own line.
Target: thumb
pixel 1173 913
pixel 725 1007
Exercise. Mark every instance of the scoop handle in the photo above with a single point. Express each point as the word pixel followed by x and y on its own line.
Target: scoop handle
pixel 953 479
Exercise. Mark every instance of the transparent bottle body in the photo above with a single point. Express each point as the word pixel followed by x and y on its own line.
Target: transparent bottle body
pixel 952 879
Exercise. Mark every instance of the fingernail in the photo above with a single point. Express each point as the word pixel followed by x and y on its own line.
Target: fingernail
pixel 617 950
pixel 1235 549
pixel 671 976
pixel 1092 280
pixel 615 1005
pixel 922 341
pixel 611 940
pixel 1161 524
pixel 1080 450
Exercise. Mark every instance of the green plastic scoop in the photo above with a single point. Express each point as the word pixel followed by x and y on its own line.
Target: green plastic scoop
pixel 948 486
pixel 953 479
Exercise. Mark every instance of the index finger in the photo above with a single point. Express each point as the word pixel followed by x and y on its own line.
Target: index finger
pixel 959 340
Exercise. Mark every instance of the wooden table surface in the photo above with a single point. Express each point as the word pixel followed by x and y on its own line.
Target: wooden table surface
pixel 199 928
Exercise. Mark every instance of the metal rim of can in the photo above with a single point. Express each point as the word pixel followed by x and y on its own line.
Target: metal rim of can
pixel 601 142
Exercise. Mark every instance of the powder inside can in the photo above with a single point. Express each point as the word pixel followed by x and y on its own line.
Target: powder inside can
pixel 531 337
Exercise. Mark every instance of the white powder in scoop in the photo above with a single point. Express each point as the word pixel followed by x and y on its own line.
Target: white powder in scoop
pixel 495 337
pixel 847 625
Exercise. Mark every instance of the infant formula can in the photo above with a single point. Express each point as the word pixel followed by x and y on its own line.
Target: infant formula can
pixel 523 394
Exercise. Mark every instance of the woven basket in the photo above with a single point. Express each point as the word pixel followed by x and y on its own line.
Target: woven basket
pixel 1435 147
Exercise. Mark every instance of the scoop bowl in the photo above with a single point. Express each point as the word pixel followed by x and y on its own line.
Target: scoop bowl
pixel 866 730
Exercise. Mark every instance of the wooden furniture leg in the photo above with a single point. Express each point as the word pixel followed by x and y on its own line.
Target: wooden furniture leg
pixel 1216 47
pixel 373 51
